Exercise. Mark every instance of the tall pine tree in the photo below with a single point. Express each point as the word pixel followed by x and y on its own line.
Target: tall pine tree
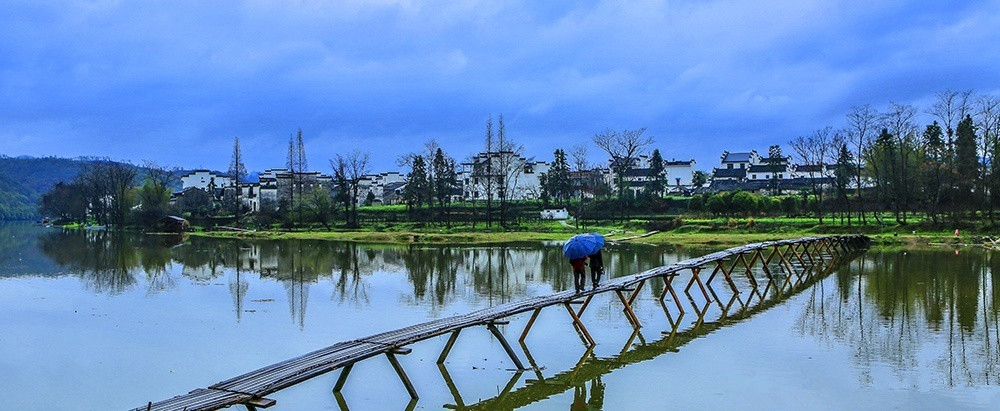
pixel 966 160
pixel 238 171
pixel 657 174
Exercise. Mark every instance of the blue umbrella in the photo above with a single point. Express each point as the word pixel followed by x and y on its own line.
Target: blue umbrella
pixel 582 245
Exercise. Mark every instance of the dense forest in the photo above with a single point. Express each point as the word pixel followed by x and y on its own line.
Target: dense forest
pixel 23 181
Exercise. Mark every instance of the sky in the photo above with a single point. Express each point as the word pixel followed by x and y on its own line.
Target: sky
pixel 175 81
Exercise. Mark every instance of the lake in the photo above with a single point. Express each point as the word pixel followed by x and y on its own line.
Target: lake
pixel 97 321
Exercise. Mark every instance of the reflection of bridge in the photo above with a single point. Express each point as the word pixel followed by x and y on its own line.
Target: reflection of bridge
pixel 787 266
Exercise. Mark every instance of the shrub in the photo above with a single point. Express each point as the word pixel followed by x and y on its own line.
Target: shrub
pixel 691 228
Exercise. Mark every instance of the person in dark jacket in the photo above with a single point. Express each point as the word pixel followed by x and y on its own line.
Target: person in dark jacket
pixel 579 272
pixel 596 267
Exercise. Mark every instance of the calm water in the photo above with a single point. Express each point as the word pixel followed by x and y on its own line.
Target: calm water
pixel 96 321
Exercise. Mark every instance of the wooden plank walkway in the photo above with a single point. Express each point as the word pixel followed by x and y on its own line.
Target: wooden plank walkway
pixel 591 367
pixel 250 389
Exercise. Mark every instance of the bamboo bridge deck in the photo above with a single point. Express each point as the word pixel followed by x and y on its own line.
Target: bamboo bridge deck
pixel 251 389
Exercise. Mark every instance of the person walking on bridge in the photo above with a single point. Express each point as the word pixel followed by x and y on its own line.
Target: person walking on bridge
pixel 596 267
pixel 577 249
pixel 579 272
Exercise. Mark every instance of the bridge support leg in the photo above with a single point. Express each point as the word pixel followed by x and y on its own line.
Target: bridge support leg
pixel 667 287
pixel 696 279
pixel 784 261
pixel 451 386
pixel 527 327
pixel 579 326
pixel 629 314
pixel 402 375
pixel 344 372
pixel 506 347
pixel 748 265
pixel 805 250
pixel 748 271
pixel 767 271
pixel 627 302
pixel 511 383
pixel 448 345
pixel 720 266
pixel 259 402
pixel 794 250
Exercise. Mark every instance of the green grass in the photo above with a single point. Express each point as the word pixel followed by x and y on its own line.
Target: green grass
pixel 698 231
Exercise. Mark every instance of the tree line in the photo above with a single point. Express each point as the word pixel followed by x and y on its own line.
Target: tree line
pixel 886 165
pixel 881 165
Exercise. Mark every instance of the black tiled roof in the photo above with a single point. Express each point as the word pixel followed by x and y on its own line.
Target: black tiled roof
pixel 729 173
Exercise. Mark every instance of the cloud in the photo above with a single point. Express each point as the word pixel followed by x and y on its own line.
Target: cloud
pixel 138 80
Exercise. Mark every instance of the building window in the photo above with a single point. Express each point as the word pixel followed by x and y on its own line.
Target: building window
pixel 741 166
pixel 779 176
pixel 753 176
pixel 729 166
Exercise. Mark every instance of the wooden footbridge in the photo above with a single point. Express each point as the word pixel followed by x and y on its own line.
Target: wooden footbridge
pixel 781 263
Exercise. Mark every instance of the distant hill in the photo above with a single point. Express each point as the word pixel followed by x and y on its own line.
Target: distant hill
pixel 23 181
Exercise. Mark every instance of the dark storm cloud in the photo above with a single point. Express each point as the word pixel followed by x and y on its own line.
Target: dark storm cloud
pixel 175 81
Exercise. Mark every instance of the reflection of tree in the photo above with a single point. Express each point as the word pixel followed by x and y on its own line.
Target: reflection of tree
pixel 590 368
pixel 105 261
pixel 898 309
pixel 19 250
pixel 439 275
pixel 349 270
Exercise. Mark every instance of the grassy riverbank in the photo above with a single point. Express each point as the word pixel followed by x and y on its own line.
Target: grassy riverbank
pixel 707 232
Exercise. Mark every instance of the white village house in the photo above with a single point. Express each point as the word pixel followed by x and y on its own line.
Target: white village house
pixel 486 170
pixel 749 171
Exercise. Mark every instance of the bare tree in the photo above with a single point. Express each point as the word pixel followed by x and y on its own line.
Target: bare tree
pixel 297 165
pixel 484 174
pixel 815 151
pixel 109 184
pixel 624 147
pixel 354 167
pixel 899 121
pixel 862 123
pixel 154 195
pixel 508 170
pixel 239 173
pixel 581 166
pixel 950 108
pixel 988 123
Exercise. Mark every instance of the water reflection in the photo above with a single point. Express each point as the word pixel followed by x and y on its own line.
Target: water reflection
pixel 928 317
pixel 112 263
pixel 109 262
pixel 590 368
pixel 935 311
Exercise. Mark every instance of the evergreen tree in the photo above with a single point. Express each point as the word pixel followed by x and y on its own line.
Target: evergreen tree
pixel 444 180
pixel 843 173
pixel 416 184
pixel 557 184
pixel 699 178
pixel 238 171
pixel 657 175
pixel 934 160
pixel 774 160
pixel 966 161
pixel 342 186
